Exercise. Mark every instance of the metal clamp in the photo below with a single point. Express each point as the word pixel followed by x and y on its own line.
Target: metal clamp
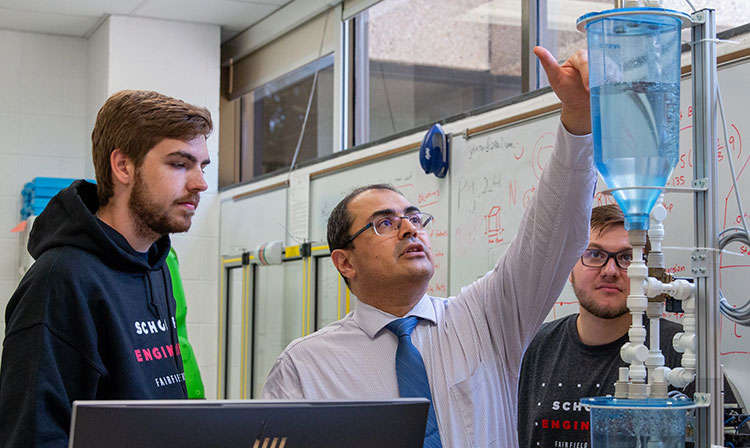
pixel 700 184
pixel 698 17
pixel 699 265
pixel 702 399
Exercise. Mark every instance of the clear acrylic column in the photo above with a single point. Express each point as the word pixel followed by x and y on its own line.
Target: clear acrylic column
pixel 634 75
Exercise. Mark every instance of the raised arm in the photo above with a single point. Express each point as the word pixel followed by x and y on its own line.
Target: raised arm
pixel 518 293
pixel 570 81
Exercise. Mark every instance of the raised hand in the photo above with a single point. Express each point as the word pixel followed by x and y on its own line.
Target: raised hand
pixel 570 81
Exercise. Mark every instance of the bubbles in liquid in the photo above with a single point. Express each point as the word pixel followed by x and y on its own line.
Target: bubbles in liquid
pixel 636 141
pixel 633 428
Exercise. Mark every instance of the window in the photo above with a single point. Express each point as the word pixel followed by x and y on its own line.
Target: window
pixel 273 114
pixel 729 13
pixel 419 61
pixel 557 25
pixel 390 66
pixel 560 36
pixel 267 79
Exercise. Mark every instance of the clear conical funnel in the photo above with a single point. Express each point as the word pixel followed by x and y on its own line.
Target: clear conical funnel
pixel 634 75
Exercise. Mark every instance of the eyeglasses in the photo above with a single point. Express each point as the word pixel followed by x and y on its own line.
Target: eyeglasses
pixel 597 258
pixel 390 224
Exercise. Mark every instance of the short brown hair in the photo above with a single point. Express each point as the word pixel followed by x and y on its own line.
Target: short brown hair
pixel 606 216
pixel 134 121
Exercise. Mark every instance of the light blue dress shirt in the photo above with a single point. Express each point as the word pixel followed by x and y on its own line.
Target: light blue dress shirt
pixel 472 344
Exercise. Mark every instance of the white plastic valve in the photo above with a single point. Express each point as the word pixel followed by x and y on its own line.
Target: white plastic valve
pixel 656 233
pixel 680 377
pixel 659 212
pixel 630 352
pixel 683 289
pixel 652 287
pixel 683 342
pixel 679 289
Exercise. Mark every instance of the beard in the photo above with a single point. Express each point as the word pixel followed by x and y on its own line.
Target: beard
pixel 152 218
pixel 589 303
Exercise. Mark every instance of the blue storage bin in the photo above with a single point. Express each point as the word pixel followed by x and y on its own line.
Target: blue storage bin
pixel 37 193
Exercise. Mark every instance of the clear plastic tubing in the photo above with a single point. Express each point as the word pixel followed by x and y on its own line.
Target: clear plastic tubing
pixel 634 75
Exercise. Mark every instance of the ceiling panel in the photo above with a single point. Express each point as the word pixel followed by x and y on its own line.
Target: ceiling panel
pixel 216 12
pixel 38 22
pixel 73 7
pixel 264 2
pixel 77 17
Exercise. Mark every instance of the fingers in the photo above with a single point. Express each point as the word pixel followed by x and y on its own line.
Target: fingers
pixel 580 61
pixel 549 63
pixel 556 73
pixel 570 81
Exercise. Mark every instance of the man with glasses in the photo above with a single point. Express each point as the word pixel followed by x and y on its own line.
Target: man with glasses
pixel 579 355
pixel 463 353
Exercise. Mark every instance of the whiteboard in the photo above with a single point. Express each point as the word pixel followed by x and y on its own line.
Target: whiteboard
pixel 249 222
pixel 494 176
pixel 478 208
pixel 734 268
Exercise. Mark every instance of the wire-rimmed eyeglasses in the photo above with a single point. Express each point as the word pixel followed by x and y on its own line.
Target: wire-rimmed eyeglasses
pixel 390 224
pixel 597 258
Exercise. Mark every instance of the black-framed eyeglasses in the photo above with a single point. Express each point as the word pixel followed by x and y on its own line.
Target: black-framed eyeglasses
pixel 388 225
pixel 597 258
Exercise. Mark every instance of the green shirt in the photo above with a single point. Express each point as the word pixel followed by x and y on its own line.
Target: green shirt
pixel 193 380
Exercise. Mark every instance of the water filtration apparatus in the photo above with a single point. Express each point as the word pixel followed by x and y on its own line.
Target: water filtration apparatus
pixel 634 78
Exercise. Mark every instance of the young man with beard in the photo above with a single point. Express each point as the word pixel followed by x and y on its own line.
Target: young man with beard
pixel 579 355
pixel 462 353
pixel 94 317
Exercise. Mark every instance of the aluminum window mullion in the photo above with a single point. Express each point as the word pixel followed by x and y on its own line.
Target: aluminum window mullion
pixel 530 26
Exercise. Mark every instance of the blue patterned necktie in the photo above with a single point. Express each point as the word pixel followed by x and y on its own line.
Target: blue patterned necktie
pixel 412 376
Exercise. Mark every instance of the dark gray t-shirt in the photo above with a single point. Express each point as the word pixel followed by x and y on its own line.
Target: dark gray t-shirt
pixel 558 370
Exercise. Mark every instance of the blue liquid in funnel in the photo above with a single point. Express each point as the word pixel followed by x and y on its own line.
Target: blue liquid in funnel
pixel 636 142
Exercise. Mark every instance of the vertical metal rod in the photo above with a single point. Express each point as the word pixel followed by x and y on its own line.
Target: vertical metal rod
pixel 346 50
pixel 253 328
pixel 529 39
pixel 361 89
pixel 709 428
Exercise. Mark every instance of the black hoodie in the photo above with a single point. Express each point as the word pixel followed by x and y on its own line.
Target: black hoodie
pixel 92 319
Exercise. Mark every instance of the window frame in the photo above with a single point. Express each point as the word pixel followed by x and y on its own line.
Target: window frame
pixel 343 41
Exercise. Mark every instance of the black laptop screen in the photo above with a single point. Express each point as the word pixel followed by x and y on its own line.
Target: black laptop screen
pixel 252 424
